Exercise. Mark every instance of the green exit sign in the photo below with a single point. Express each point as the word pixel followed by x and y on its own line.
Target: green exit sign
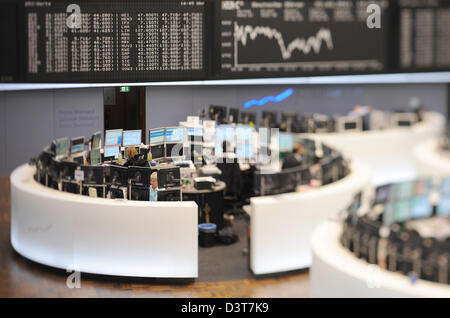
pixel 125 89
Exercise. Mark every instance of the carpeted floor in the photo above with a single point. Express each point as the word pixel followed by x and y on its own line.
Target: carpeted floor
pixel 226 262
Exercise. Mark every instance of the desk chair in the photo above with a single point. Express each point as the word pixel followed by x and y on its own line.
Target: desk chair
pixel 231 175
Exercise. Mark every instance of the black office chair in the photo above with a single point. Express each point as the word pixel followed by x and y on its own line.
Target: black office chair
pixel 233 200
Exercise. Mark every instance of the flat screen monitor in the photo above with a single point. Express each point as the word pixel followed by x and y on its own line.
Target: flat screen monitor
pixel 113 137
pixel 445 185
pixel 402 211
pixel 225 133
pixel 169 195
pixel 169 177
pixel 443 208
pixel 140 194
pixel 93 174
pixel 132 138
pixel 388 214
pixel 286 142
pixel 403 190
pixel 111 152
pixel 244 133
pixel 139 175
pixel 77 145
pixel 421 207
pixel 217 113
pixel 174 134
pixel 62 147
pixel 78 159
pixel 195 132
pixel 233 115
pixel 157 151
pixel 174 150
pixel 116 175
pixel 96 140
pixel 248 118
pixel 95 157
pixel 157 136
pixel 382 194
pixel 244 151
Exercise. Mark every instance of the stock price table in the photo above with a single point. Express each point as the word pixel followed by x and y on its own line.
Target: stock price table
pixel 114 40
pixel 300 37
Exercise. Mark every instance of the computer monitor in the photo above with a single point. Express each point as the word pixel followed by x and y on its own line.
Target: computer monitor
pixel 196 132
pixel 95 157
pixel 244 151
pixel 233 115
pixel 445 185
pixel 156 136
pixel 96 141
pixel 402 211
pixel 169 177
pixel 174 134
pixel 174 150
pixel 244 133
pixel 158 151
pixel 169 195
pixel 248 118
pixel 140 194
pixel 77 145
pixel 111 152
pixel 67 169
pixel 382 194
pixel 443 208
pixel 116 175
pixel 349 123
pixel 113 137
pixel 93 175
pixel 217 113
pixel 225 133
pixel 421 207
pixel 139 175
pixel 62 147
pixel 132 138
pixel 269 119
pixel 286 142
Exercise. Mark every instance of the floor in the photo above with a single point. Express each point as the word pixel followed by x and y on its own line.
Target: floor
pixel 20 277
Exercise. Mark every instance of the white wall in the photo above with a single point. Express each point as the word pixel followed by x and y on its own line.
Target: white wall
pixel 29 120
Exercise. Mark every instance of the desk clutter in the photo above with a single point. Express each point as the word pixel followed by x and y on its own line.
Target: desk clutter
pixel 404 229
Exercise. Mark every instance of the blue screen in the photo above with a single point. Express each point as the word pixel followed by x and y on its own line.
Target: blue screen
pixel 62 147
pixel 244 151
pixel 174 134
pixel 195 132
pixel 286 142
pixel 402 211
pixel 421 207
pixel 244 133
pixel 445 185
pixel 388 214
pixel 77 148
pixel 156 136
pixel 443 208
pixel 113 137
pixel 132 137
pixel 225 133
pixel 111 151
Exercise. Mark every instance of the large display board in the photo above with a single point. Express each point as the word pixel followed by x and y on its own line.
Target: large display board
pixel 113 40
pixel 424 42
pixel 301 37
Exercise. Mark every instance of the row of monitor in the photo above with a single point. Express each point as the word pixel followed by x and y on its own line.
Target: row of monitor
pixel 411 200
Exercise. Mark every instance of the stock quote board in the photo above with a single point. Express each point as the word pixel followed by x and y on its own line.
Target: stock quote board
pixel 424 35
pixel 111 40
pixel 295 38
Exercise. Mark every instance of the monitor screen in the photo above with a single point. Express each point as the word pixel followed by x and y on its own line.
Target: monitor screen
pixel 350 125
pixel 77 145
pixel 111 152
pixel 421 207
pixel 62 147
pixel 244 133
pixel 443 208
pixel 388 214
pixel 157 136
pixel 225 133
pixel 402 211
pixel 445 185
pixel 174 150
pixel 286 142
pixel 96 140
pixel 113 137
pixel 174 134
pixel 132 137
pixel 244 151
pixel 197 132
pixel 96 157
pixel 403 190
pixel 157 151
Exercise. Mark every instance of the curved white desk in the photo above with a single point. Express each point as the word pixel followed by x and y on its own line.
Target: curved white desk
pixel 281 225
pixel 430 160
pixel 387 152
pixel 102 236
pixel 336 272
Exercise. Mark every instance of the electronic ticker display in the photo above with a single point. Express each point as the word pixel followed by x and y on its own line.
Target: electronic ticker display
pixel 111 40
pixel 269 38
